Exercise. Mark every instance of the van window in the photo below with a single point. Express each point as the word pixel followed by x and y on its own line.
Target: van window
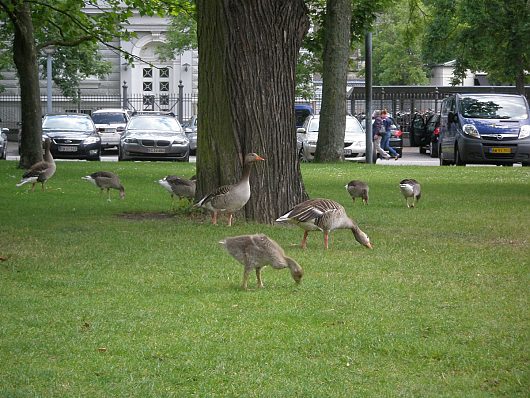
pixel 493 107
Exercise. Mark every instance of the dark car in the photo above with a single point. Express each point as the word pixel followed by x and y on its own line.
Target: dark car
pixel 72 135
pixel 3 142
pixel 154 137
pixel 190 129
pixel 484 128
pixel 432 130
pixel 418 134
pixel 302 111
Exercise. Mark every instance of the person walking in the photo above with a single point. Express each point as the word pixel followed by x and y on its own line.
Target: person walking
pixel 378 129
pixel 385 137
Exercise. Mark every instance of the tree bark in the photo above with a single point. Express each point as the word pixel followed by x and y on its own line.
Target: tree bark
pixel 336 53
pixel 25 59
pixel 247 62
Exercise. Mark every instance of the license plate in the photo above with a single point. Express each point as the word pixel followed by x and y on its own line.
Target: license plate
pixel 67 149
pixel 347 152
pixel 156 150
pixel 501 150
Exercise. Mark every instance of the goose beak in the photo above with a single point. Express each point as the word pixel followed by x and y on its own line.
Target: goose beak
pixel 259 158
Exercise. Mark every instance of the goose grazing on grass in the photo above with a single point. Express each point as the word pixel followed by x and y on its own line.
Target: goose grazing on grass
pixel 358 189
pixel 325 215
pixel 230 198
pixel 257 251
pixel 41 171
pixel 410 188
pixel 179 187
pixel 106 180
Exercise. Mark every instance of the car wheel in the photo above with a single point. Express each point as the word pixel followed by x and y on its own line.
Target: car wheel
pixel 302 156
pixel 423 150
pixel 458 158
pixel 443 162
pixel 433 150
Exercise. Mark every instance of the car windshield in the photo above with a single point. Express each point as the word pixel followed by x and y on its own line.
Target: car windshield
pixel 109 118
pixel 352 125
pixel 161 124
pixel 67 123
pixel 494 107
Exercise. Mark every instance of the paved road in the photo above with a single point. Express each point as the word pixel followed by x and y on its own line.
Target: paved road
pixel 411 156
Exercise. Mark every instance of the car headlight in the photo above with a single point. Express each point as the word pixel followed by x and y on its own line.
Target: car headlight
pixel 311 143
pixel 91 140
pixel 130 141
pixel 524 132
pixel 471 130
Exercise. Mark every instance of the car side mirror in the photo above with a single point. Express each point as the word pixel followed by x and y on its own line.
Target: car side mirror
pixel 5 130
pixel 300 130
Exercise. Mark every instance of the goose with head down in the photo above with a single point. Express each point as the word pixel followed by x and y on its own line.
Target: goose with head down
pixel 41 171
pixel 358 189
pixel 410 188
pixel 106 180
pixel 231 198
pixel 257 251
pixel 179 187
pixel 325 215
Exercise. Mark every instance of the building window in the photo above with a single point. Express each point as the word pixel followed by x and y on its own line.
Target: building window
pixel 148 86
pixel 164 72
pixel 164 86
pixel 148 72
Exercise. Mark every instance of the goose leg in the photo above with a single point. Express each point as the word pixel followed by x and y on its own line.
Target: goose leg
pixel 108 194
pixel 214 218
pixel 33 187
pixel 229 219
pixel 326 239
pixel 304 240
pixel 246 273
pixel 258 276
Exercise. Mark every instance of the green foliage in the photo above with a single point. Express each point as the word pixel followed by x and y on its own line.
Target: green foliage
pixel 396 44
pixel 78 35
pixel 127 299
pixel 489 36
pixel 181 35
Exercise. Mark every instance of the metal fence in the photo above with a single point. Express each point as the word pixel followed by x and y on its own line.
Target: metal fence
pixel 400 101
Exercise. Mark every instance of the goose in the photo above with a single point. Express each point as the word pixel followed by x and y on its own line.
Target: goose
pixel 230 198
pixel 358 189
pixel 180 187
pixel 257 251
pixel 41 171
pixel 410 188
pixel 106 180
pixel 325 215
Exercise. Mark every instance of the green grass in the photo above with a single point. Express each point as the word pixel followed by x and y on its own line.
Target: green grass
pixel 97 305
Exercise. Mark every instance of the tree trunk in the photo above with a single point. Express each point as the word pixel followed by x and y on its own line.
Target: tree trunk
pixel 247 61
pixel 25 58
pixel 336 53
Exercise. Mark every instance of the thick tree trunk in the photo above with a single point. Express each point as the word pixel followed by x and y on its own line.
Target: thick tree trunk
pixel 25 58
pixel 330 145
pixel 247 62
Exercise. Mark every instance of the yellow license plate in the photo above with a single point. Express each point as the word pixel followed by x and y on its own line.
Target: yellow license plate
pixel 501 150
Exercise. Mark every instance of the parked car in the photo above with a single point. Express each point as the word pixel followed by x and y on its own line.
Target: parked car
pixel 154 137
pixel 354 138
pixel 190 129
pixel 484 128
pixel 3 142
pixel 432 130
pixel 73 135
pixel 110 124
pixel 302 111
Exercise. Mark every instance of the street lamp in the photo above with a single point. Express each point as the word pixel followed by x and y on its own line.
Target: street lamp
pixel 49 51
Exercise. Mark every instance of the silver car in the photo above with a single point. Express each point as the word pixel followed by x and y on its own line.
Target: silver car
pixel 110 124
pixel 354 139
pixel 154 137
pixel 190 128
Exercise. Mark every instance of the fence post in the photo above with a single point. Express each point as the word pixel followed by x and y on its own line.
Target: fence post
pixel 180 107
pixel 124 95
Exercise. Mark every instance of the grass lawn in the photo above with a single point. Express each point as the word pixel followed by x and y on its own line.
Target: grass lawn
pixel 129 299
